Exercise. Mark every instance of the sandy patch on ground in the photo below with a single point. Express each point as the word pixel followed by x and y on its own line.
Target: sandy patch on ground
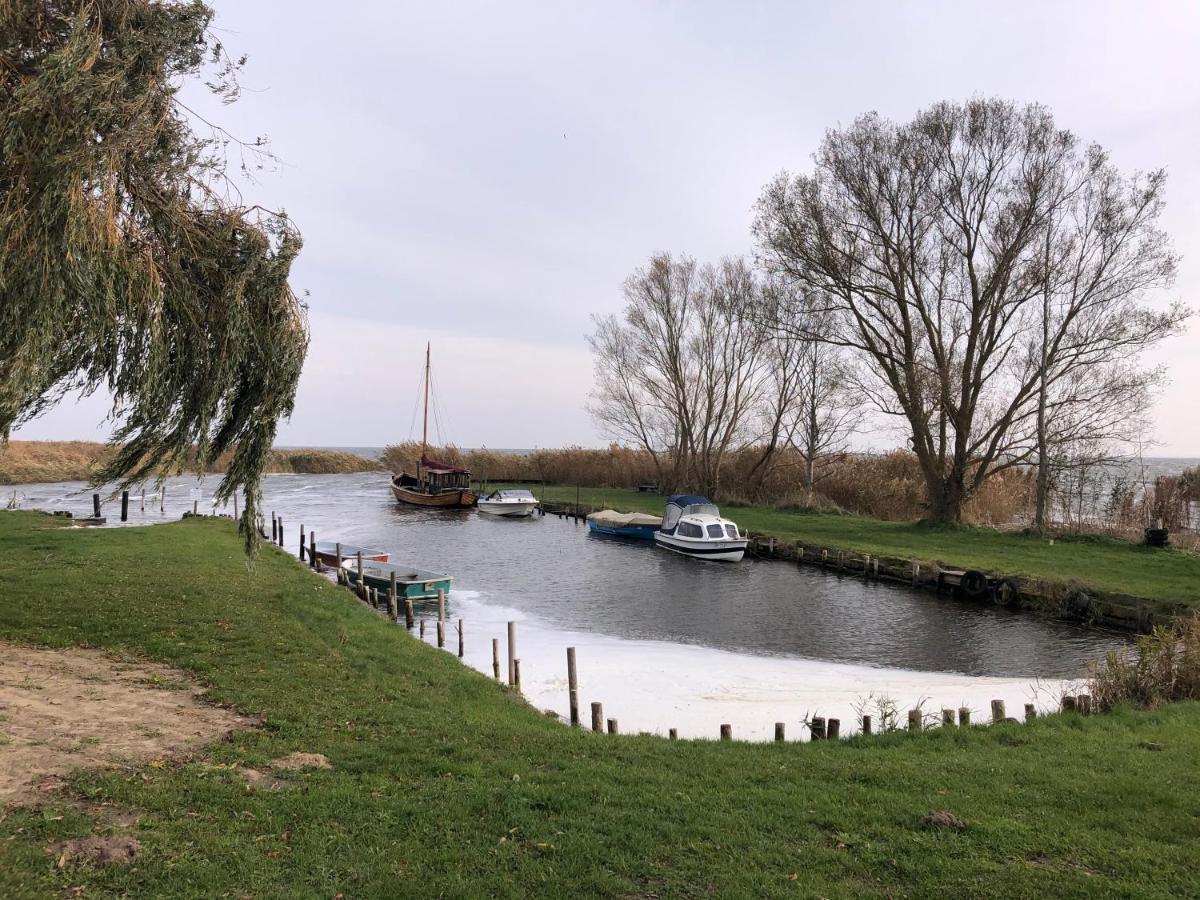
pixel 62 710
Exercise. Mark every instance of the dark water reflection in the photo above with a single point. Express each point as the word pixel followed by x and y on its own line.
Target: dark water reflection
pixel 560 573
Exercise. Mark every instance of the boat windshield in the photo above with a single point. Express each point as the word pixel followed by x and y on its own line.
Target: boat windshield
pixel 516 495
pixel 702 509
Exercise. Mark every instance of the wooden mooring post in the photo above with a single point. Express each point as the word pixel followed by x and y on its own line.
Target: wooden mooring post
pixel 441 632
pixel 517 674
pixel 727 732
pixel 96 506
pixel 441 605
pixel 460 638
pixel 162 499
pixel 312 549
pixel 496 657
pixel 124 506
pixel 302 547
pixel 274 529
pixel 816 728
pixel 408 613
pixel 866 724
pixel 598 717
pixel 362 584
pixel 998 711
pixel 964 716
pixel 833 729
pixel 947 718
pixel 280 541
pixel 422 629
pixel 779 731
pixel 572 687
pixel 914 720
pixel 512 652
pixel 393 599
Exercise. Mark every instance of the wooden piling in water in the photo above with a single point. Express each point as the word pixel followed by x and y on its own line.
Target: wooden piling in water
pixel 441 632
pixel 302 547
pixel 779 731
pixel 422 629
pixel 1030 712
pixel 441 604
pixel 726 732
pixel 280 541
pixel 914 720
pixel 998 711
pixel 124 506
pixel 393 599
pixel 964 716
pixel 338 556
pixel 833 729
pixel 496 657
pixel 408 613
pixel 162 499
pixel 512 652
pixel 362 583
pixel 461 637
pixel 816 728
pixel 572 687
pixel 96 506
pixel 598 717
pixel 947 718
pixel 274 528
pixel 312 548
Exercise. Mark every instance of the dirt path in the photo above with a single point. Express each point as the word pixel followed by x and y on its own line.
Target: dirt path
pixel 62 710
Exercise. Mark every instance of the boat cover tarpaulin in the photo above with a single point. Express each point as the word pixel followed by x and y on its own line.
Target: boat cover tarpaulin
pixel 610 518
pixel 436 466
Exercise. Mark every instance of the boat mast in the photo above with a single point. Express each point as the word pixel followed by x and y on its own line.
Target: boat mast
pixel 425 426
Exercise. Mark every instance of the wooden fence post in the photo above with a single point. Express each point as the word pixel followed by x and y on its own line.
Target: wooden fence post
pixel 393 600
pixel 833 729
pixel 302 547
pixel 312 549
pixel 1030 712
pixel 460 638
pixel 124 506
pixel 914 720
pixel 866 724
pixel 1068 703
pixel 408 613
pixel 517 674
pixel 673 734
pixel 997 711
pixel 964 716
pixel 441 632
pixel 779 731
pixel 612 726
pixel 512 652
pixel 816 728
pixel 597 717
pixel 496 657
pixel 362 583
pixel 280 541
pixel 572 687
pixel 947 718
pixel 1085 704
pixel 727 732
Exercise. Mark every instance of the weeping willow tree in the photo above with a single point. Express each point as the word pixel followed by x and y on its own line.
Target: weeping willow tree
pixel 128 260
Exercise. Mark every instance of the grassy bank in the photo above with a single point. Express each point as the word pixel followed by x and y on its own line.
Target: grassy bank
pixel 38 462
pixel 443 784
pixel 1104 564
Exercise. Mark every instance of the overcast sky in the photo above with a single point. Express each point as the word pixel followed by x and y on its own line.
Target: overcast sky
pixel 484 176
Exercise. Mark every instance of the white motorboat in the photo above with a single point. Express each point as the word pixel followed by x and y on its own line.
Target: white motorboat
pixel 508 502
pixel 692 525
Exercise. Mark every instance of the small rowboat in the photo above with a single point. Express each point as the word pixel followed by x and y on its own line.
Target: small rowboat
pixel 630 525
pixel 411 582
pixel 327 554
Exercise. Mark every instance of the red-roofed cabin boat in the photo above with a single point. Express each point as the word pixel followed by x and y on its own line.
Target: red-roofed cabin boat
pixel 436 484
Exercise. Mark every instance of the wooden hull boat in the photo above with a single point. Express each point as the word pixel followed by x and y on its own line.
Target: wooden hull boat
pixel 437 485
pixel 516 504
pixel 627 525
pixel 411 583
pixel 692 526
pixel 406 491
pixel 326 553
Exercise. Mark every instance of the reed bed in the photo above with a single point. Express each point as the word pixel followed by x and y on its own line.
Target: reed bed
pixel 1164 666
pixel 38 462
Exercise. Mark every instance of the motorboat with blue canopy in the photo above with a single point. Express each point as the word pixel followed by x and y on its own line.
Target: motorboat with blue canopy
pixel 692 525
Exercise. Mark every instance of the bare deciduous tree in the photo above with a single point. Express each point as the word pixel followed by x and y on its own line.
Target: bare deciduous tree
pixel 681 373
pixel 927 244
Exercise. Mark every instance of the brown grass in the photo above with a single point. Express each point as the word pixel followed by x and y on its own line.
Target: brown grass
pixel 37 462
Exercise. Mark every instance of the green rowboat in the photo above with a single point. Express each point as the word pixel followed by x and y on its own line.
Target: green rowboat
pixel 411 582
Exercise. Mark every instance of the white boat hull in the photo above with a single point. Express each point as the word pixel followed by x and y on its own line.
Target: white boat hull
pixel 512 510
pixel 717 550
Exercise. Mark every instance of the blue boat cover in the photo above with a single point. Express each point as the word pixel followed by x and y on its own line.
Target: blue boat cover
pixel 683 500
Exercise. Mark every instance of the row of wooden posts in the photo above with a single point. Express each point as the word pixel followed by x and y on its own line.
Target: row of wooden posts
pixel 819 727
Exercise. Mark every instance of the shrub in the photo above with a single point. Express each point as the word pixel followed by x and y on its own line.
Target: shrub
pixel 1164 666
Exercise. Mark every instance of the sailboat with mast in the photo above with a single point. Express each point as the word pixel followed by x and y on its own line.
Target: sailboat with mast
pixel 437 484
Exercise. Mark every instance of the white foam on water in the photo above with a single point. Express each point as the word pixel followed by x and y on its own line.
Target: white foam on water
pixel 653 686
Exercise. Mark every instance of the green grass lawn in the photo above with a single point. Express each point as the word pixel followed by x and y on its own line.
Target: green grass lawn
pixel 444 784
pixel 1106 564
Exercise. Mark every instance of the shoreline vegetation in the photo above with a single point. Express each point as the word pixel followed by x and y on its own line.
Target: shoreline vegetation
pixel 39 462
pixel 442 781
